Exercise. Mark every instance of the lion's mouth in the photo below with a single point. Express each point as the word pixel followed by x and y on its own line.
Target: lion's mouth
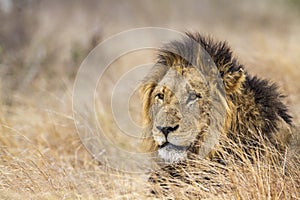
pixel 170 146
pixel 164 145
pixel 171 153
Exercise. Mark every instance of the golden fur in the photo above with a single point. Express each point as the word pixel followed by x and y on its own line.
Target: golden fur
pixel 253 106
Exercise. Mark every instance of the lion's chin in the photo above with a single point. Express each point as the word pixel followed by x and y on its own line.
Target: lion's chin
pixel 171 153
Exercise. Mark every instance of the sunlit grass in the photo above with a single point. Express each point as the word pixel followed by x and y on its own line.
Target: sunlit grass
pixel 42 157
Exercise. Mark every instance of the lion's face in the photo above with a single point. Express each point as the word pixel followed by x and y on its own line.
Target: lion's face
pixel 179 112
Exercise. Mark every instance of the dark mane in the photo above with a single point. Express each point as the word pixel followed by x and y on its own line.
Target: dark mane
pixel 267 98
pixel 186 49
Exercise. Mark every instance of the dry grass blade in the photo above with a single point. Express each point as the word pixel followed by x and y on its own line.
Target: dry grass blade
pixel 42 44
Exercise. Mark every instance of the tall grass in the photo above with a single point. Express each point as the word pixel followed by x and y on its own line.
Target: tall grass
pixel 41 155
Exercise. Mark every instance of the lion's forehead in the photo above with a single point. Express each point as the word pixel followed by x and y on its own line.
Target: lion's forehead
pixel 196 79
pixel 181 82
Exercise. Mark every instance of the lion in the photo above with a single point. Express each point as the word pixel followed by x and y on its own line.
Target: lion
pixel 188 106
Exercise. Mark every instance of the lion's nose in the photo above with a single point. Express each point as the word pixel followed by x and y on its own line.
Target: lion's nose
pixel 168 129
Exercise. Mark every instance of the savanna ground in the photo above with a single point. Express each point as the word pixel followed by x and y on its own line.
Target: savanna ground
pixel 42 44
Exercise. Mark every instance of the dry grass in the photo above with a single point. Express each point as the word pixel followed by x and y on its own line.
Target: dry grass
pixel 268 176
pixel 41 155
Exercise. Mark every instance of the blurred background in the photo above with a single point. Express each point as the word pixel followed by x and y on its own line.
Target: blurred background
pixel 43 43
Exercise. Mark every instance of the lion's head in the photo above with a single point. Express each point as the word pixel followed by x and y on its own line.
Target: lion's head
pixel 184 104
pixel 179 112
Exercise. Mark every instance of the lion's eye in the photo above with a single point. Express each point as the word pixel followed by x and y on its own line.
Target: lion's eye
pixel 160 96
pixel 194 96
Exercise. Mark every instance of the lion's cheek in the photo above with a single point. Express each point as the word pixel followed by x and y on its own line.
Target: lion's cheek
pixel 183 140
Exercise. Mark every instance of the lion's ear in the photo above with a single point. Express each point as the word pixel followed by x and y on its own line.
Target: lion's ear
pixel 233 81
